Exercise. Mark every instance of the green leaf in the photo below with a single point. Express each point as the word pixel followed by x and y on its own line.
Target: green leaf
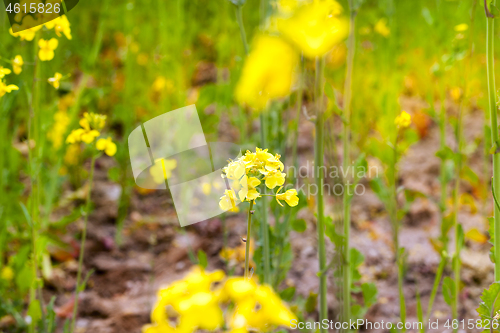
pixel 336 238
pixel 114 174
pixel 448 290
pixel 287 294
pixel 380 189
pixel 202 259
pixel 490 304
pixel 369 293
pixel 34 311
pixel 299 225
pixel 311 302
pixel 420 313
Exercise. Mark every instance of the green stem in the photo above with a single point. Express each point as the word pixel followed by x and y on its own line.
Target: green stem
pixel 239 19
pixel 300 90
pixel 264 228
pixel 82 243
pixel 395 222
pixel 319 150
pixel 494 133
pixel 247 243
pixel 435 286
pixel 346 138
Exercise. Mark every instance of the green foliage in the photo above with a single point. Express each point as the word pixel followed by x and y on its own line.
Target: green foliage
pixel 490 306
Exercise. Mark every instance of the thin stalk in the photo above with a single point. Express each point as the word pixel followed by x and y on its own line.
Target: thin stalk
pixel 346 138
pixel 82 244
pixel 435 286
pixel 247 243
pixel 395 222
pixel 266 257
pixel 319 151
pixel 243 35
pixel 494 132
pixel 300 90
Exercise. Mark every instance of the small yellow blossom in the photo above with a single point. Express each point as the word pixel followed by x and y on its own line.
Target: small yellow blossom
pixel 60 25
pixel 290 196
pixel 91 123
pixel 7 273
pixel 28 34
pixel 4 71
pixel 382 28
pixel 17 64
pixel 274 178
pixel 61 122
pixel 7 88
pixel 47 48
pixel 54 81
pixel 403 120
pixel 206 188
pixel 162 169
pixel 461 27
pixel 93 120
pixel 268 72
pixel 316 27
pixel 228 201
pixel 107 145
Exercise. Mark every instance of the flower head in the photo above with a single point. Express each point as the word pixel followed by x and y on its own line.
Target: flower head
pixel 47 48
pixel 91 124
pixel 7 88
pixel 290 197
pixel 267 73
pixel 403 120
pixel 54 81
pixel 27 34
pixel 17 64
pixel 60 25
pixel 107 145
pixel 4 71
pixel 461 27
pixel 382 28
pixel 316 27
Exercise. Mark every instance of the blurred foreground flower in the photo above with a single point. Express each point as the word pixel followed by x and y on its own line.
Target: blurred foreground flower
pixel 47 48
pixel 107 145
pixel 382 28
pixel 267 73
pixel 316 27
pixel 403 120
pixel 4 71
pixel 17 64
pixel 7 88
pixel 196 303
pixel 54 81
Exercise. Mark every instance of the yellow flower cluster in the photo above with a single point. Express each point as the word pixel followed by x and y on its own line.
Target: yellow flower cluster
pixel 312 28
pixel 195 303
pixel 248 172
pixel 403 120
pixel 61 122
pixel 91 124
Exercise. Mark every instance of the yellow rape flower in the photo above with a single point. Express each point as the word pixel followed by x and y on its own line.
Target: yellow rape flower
pixel 268 72
pixel 274 178
pixel 60 25
pixel 4 71
pixel 461 27
pixel 28 34
pixel 382 28
pixel 290 196
pixel 107 145
pixel 403 120
pixel 54 81
pixel 61 122
pixel 7 88
pixel 17 64
pixel 93 120
pixel 315 28
pixel 228 202
pixel 7 273
pixel 47 48
pixel 162 169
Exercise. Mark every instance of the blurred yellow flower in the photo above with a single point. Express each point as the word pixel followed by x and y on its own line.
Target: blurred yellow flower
pixel 382 28
pixel 289 196
pixel 268 72
pixel 316 27
pixel 162 169
pixel 461 27
pixel 4 71
pixel 7 88
pixel 61 122
pixel 93 120
pixel 107 145
pixel 228 201
pixel 72 154
pixel 54 81
pixel 28 34
pixel 7 273
pixel 206 188
pixel 47 48
pixel 17 64
pixel 60 25
pixel 403 120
